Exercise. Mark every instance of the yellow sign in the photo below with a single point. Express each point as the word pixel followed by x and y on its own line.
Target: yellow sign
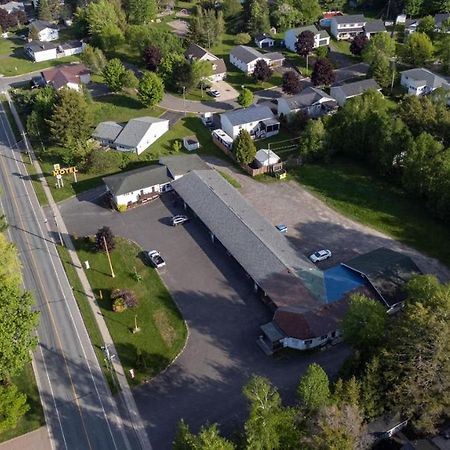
pixel 64 170
pixel 56 166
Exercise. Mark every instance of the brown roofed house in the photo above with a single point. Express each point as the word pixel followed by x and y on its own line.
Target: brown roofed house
pixel 70 76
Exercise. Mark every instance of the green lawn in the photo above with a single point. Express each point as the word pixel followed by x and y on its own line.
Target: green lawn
pixel 88 317
pixel 352 190
pixel 163 331
pixel 235 183
pixel 184 127
pixel 34 418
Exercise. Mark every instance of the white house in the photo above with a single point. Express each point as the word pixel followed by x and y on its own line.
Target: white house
pixel 346 91
pixel 137 186
pixel 45 31
pixel 259 121
pixel 312 101
pixel 321 37
pixel 219 69
pixel 70 48
pixel 374 27
pixel 411 25
pixel 347 27
pixel 137 135
pixel 41 51
pixel 245 58
pixel 12 7
pixel 421 81
pixel 263 40
pixel 71 76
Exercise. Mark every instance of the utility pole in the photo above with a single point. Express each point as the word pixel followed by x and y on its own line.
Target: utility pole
pixel 109 258
pixel 26 146
pixel 184 100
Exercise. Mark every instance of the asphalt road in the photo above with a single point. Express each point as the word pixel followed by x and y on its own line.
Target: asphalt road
pixel 79 408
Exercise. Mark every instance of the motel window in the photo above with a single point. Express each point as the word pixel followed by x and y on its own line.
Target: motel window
pixel 309 341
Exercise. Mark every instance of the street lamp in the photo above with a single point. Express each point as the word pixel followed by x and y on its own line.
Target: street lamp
pixel 184 99
pixel 59 233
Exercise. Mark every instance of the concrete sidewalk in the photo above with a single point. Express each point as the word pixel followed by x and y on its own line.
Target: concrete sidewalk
pixel 133 421
pixel 36 440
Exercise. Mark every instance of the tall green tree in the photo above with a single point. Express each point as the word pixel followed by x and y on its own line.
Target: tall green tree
pixel 93 58
pixel 113 74
pixel 379 45
pixel 44 11
pixel 365 322
pixel 443 52
pixel 419 48
pixel 71 119
pixel 262 425
pixel 244 148
pixel 314 388
pixel 372 401
pixel 207 439
pixel 13 405
pixel 259 17
pixel 427 25
pixel 245 98
pixel 313 141
pixel 141 11
pixel 382 71
pixel 150 89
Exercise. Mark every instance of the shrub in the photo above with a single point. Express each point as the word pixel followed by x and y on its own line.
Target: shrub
pixel 119 305
pixel 101 161
pixel 103 235
pixel 127 295
pixel 122 208
pixel 242 38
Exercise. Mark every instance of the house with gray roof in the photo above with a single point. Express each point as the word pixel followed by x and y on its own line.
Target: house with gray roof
pixel 374 27
pixel 259 121
pixel 137 135
pixel 421 81
pixel 263 40
pixel 245 58
pixel 13 7
pixel 180 165
pixel 44 30
pixel 137 186
pixel 321 37
pixel 219 69
pixel 347 26
pixel 312 101
pixel 41 51
pixel 344 92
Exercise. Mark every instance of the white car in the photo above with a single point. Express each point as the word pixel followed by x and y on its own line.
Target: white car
pixel 156 259
pixel 179 219
pixel 320 255
pixel 214 93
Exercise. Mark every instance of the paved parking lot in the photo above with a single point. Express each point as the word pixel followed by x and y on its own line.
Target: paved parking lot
pixel 222 314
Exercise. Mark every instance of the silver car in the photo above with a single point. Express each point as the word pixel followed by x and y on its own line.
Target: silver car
pixel 320 255
pixel 156 259
pixel 179 219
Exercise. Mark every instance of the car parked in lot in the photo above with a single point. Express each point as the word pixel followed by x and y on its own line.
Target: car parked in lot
pixel 179 219
pixel 214 93
pixel 156 259
pixel 320 255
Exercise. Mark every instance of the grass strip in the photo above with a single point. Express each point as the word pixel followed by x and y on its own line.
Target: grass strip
pixel 235 183
pixel 352 190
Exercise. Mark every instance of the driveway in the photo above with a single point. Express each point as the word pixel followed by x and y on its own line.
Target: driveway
pixel 313 225
pixel 222 313
pixel 227 92
pixel 350 72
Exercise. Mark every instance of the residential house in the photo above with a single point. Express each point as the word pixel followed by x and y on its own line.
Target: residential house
pixel 321 37
pixel 263 40
pixel 219 69
pixel 71 48
pixel 385 427
pixel 137 135
pixel 106 133
pixel 41 51
pixel 421 81
pixel 374 27
pixel 344 92
pixel 13 7
pixel 70 76
pixel 411 25
pixel 137 186
pixel 259 121
pixel 312 101
pixel 44 30
pixel 245 58
pixel 347 27
pixel 439 19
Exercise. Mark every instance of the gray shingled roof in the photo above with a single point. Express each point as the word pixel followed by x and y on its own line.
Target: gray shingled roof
pixel 300 30
pixel 358 87
pixel 274 56
pixel 38 46
pixel 261 36
pixel 245 54
pixel 265 254
pixel 376 26
pixel 40 25
pixel 307 97
pixel 195 51
pixel 135 180
pixel 355 18
pixel 107 131
pixel 420 74
pixel 439 18
pixel 135 130
pixel 247 115
pixel 182 164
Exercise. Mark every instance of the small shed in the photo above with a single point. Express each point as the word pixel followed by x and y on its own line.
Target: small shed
pixel 191 143
pixel 266 157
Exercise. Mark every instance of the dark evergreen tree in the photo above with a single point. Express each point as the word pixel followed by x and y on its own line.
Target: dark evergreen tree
pixel 104 234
